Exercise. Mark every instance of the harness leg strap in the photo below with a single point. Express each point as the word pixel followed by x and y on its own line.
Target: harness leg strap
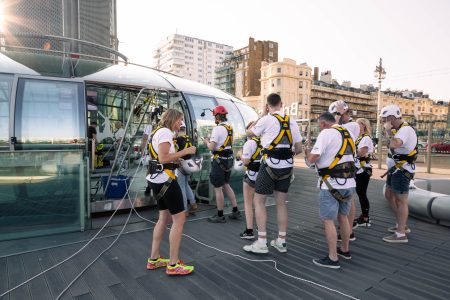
pixel 275 177
pixel 164 189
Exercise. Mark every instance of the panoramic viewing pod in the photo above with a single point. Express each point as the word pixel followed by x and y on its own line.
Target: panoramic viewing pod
pixel 52 179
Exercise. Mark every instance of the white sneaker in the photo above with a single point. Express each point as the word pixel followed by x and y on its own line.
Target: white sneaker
pixel 256 247
pixel 279 246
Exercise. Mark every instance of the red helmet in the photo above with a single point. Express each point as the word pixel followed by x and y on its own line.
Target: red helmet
pixel 220 110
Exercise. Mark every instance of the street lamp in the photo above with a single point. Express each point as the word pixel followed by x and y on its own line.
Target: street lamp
pixel 380 74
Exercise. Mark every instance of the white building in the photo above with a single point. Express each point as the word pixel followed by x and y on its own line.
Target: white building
pixel 190 58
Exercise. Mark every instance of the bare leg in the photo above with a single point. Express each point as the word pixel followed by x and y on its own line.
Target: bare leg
pixel 345 232
pixel 249 193
pixel 390 197
pixel 351 215
pixel 158 232
pixel 282 214
pixel 230 194
pixel 402 212
pixel 175 236
pixel 219 198
pixel 331 235
pixel 260 211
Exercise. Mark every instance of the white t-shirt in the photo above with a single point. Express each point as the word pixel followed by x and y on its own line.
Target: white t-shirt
pixel 219 134
pixel 353 129
pixel 120 133
pixel 248 150
pixel 365 142
pixel 163 135
pixel 409 139
pixel 148 130
pixel 268 128
pixel 328 144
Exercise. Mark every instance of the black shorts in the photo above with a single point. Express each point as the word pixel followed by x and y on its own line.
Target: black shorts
pixel 218 175
pixel 172 199
pixel 265 185
pixel 250 182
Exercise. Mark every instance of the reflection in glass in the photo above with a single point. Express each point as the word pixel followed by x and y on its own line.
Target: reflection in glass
pixel 5 93
pixel 236 121
pixel 248 113
pixel 205 123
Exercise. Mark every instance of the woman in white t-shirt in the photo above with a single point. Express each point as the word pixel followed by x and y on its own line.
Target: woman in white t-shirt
pixel 170 202
pixel 364 149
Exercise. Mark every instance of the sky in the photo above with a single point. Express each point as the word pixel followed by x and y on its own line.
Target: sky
pixel 347 37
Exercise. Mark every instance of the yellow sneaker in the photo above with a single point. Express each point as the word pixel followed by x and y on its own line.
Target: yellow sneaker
pixel 157 263
pixel 179 269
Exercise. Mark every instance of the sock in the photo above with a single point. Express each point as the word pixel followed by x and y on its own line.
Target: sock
pixel 399 235
pixel 281 240
pixel 235 209
pixel 248 230
pixel 262 241
pixel 220 213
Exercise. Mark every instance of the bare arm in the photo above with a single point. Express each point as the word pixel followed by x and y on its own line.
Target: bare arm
pixel 210 145
pixel 165 157
pixel 395 143
pixel 298 148
pixel 250 133
pixel 246 161
pixel 144 142
pixel 363 151
pixel 312 158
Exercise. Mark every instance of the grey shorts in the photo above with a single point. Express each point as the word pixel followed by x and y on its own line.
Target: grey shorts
pixel 218 175
pixel 265 185
pixel 329 207
pixel 250 182
pixel 398 182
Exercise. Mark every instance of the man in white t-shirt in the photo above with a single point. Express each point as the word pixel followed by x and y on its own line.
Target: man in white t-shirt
pixel 276 170
pixel 336 188
pixel 401 166
pixel 341 113
pixel 220 144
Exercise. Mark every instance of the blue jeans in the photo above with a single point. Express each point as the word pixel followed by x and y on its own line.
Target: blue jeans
pixel 329 207
pixel 398 182
pixel 183 181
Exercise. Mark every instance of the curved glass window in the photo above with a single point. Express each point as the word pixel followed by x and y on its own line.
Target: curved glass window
pixel 203 123
pixel 236 121
pixel 248 113
pixel 5 93
pixel 49 114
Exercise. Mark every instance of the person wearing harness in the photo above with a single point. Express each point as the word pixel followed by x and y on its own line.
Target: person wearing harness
pixel 341 113
pixel 364 150
pixel 222 162
pixel 333 153
pixel 402 155
pixel 167 193
pixel 182 141
pixel 281 140
pixel 251 157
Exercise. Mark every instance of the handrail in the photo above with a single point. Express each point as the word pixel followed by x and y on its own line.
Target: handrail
pixel 64 39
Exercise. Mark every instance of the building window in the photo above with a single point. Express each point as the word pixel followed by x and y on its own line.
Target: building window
pixel 300 84
pixel 270 53
pixel 306 73
pixel 271 45
pixel 300 73
pixel 278 82
pixel 278 70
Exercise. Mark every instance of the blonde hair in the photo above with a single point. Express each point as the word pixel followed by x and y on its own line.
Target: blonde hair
pixel 367 127
pixel 118 124
pixel 170 117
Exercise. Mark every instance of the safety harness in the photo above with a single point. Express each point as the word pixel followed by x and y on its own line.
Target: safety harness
pixel 183 142
pixel 363 160
pixel 343 170
pixel 284 137
pixel 255 159
pixel 402 159
pixel 155 167
pixel 222 152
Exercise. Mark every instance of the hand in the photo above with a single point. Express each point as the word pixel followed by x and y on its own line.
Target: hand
pixel 205 141
pixel 266 110
pixel 190 150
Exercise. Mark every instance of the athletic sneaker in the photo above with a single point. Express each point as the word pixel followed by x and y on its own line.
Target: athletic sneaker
pixel 326 262
pixel 235 215
pixel 394 229
pixel 352 237
pixel 256 247
pixel 345 255
pixel 279 246
pixel 355 225
pixel 247 235
pixel 158 263
pixel 179 269
pixel 217 219
pixel 361 222
pixel 395 239
pixel 193 207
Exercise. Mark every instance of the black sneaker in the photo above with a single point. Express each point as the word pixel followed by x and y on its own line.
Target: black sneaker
pixel 352 237
pixel 362 222
pixel 235 215
pixel 355 224
pixel 326 262
pixel 247 235
pixel 217 219
pixel 345 255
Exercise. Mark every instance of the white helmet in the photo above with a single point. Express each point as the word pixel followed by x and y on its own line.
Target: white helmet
pixel 238 165
pixel 191 165
pixel 333 106
pixel 391 110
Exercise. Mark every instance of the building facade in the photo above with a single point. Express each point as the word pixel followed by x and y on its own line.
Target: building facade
pixel 292 82
pixel 92 21
pixel 190 57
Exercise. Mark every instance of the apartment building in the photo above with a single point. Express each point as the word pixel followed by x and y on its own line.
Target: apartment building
pixel 190 57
